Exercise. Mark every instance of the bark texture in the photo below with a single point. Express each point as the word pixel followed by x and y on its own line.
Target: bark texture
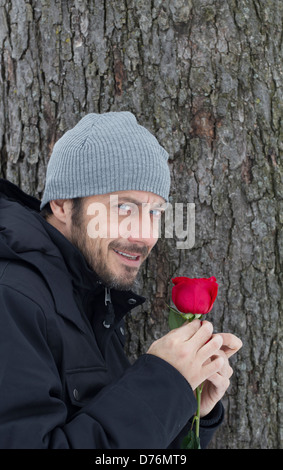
pixel 206 77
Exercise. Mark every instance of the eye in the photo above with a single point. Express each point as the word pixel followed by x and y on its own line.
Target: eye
pixel 156 213
pixel 125 208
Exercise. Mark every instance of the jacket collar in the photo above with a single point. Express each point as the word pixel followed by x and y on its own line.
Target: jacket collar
pixel 77 274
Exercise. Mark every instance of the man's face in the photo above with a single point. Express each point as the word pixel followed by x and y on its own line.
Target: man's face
pixel 116 232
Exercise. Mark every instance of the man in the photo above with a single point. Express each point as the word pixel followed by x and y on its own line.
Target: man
pixel 65 286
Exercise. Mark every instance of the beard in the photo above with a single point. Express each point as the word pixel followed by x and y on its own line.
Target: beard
pixel 92 251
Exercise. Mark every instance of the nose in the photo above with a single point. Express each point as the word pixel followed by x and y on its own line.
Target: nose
pixel 145 229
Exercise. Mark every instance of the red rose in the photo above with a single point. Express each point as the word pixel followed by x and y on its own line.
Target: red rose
pixel 194 295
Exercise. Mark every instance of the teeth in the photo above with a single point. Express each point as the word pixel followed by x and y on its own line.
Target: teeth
pixel 126 255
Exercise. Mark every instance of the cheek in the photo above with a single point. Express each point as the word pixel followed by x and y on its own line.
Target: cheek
pixel 97 227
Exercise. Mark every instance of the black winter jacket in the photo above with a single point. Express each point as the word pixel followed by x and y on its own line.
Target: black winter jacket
pixel 65 381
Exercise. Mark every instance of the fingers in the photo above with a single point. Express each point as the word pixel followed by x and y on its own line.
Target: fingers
pixel 220 382
pixel 231 344
pixel 211 347
pixel 226 370
pixel 187 330
pixel 221 379
pixel 213 366
pixel 203 334
pixel 196 352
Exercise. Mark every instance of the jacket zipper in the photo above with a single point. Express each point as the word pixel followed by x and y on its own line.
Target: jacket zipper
pixel 110 314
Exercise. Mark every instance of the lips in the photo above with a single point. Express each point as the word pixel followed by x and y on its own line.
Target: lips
pixel 128 256
pixel 131 255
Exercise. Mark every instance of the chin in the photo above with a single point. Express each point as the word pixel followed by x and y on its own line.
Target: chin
pixel 118 281
pixel 118 285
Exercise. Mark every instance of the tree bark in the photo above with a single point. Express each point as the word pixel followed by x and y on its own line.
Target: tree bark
pixel 204 76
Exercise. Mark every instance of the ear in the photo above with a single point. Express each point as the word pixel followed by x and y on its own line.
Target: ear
pixel 61 209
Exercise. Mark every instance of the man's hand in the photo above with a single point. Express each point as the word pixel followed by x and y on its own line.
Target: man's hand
pixel 189 350
pixel 216 385
pixel 201 357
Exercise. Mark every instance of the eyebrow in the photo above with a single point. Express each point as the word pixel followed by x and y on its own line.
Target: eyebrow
pixel 138 203
pixel 130 199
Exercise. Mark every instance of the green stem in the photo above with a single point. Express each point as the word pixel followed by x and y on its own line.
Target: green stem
pixel 198 393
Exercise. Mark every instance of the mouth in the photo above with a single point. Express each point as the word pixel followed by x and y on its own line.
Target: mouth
pixel 131 259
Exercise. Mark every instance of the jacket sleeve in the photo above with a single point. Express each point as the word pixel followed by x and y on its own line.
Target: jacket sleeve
pixel 146 408
pixel 208 425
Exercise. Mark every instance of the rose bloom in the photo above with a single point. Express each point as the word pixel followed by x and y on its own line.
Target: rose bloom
pixel 195 295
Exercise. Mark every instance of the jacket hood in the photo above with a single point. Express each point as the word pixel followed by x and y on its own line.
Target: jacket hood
pixel 25 236
pixel 19 218
pixel 24 233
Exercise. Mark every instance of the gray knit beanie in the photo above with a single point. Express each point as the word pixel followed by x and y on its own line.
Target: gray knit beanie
pixel 106 153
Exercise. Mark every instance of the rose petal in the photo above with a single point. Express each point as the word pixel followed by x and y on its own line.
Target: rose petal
pixel 194 295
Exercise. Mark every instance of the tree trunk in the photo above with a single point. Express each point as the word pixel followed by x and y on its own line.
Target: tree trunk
pixel 206 77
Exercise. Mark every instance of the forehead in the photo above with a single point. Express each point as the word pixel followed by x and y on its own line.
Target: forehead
pixel 137 197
